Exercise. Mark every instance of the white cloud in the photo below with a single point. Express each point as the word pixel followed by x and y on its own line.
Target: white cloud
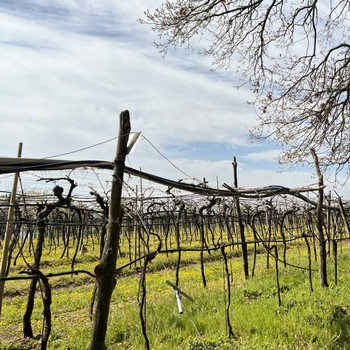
pixel 266 155
pixel 81 82
pixel 67 74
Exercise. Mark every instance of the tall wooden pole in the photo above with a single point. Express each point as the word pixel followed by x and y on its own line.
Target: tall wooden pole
pixel 240 223
pixel 8 231
pixel 319 224
pixel 106 269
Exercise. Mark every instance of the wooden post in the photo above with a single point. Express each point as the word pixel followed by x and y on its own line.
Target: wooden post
pixel 342 211
pixel 319 225
pixel 136 226
pixel 106 270
pixel 240 223
pixel 335 257
pixel 8 231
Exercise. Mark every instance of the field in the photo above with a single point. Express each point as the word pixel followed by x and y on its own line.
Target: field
pixel 304 320
pixel 193 272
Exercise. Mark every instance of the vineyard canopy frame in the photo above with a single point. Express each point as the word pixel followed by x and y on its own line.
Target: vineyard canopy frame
pixel 13 165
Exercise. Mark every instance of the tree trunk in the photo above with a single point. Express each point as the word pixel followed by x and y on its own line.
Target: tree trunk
pixel 27 325
pixel 106 269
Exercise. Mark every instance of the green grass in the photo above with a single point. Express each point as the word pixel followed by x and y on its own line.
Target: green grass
pixel 318 320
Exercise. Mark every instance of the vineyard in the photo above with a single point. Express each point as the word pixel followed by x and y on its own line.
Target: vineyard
pixel 184 244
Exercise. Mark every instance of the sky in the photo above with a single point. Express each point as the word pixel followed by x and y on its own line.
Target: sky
pixel 69 67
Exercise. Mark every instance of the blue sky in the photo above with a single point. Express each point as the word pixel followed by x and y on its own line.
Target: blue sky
pixel 69 67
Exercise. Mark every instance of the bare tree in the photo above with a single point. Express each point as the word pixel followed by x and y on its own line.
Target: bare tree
pixel 295 55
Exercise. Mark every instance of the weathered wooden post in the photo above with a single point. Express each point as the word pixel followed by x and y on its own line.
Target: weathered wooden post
pixel 240 223
pixel 106 269
pixel 8 231
pixel 319 225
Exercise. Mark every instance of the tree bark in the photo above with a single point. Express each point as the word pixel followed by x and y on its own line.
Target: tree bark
pixel 27 325
pixel 106 269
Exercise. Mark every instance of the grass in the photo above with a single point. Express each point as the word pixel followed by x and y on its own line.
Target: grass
pixel 305 320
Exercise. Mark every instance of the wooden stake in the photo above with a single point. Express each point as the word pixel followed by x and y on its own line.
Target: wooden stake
pixel 319 224
pixel 106 269
pixel 240 222
pixel 8 231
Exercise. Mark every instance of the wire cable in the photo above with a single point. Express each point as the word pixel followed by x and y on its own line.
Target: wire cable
pixel 82 149
pixel 168 160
